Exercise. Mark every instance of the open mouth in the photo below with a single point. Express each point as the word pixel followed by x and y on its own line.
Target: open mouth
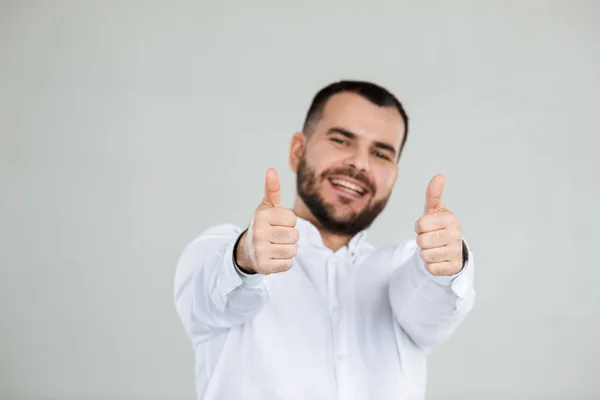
pixel 348 186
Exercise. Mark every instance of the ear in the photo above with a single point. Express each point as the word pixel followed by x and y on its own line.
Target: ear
pixel 297 145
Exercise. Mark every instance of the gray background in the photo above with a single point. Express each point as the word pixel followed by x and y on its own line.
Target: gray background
pixel 129 127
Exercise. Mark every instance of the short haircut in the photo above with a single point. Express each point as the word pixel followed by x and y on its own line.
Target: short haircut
pixel 368 90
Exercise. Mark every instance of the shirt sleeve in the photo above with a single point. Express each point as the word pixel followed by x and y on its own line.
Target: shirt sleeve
pixel 211 294
pixel 429 308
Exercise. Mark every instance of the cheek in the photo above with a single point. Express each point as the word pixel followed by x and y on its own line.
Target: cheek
pixel 385 178
pixel 325 162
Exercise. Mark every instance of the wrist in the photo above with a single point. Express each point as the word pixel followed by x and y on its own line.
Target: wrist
pixel 240 258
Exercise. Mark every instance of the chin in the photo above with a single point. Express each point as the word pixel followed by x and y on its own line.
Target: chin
pixel 344 213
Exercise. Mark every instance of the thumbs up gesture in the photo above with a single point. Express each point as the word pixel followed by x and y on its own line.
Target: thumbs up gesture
pixel 438 233
pixel 268 246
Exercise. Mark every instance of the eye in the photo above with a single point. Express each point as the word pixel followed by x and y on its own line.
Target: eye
pixel 381 155
pixel 338 141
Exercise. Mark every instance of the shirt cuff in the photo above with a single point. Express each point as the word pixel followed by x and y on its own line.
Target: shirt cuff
pixel 459 281
pixel 231 277
pixel 248 279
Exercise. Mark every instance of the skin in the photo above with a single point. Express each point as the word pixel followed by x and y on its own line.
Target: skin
pixel 352 135
pixel 377 135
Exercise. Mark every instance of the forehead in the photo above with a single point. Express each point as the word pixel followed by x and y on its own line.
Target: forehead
pixel 368 121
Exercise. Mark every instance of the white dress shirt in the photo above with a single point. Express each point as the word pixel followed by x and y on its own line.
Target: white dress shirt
pixel 352 324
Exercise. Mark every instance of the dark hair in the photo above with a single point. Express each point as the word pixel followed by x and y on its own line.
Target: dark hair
pixel 368 90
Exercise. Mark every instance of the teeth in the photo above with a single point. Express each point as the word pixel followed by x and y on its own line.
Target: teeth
pixel 348 185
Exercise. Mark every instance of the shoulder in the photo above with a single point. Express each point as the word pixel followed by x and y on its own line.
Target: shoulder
pixel 216 232
pixel 209 244
pixel 222 229
pixel 212 238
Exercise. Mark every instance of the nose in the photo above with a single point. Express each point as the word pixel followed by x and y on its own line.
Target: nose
pixel 359 160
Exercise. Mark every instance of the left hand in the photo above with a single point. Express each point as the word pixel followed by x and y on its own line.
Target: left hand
pixel 438 233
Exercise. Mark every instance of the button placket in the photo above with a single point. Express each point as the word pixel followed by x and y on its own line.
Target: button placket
pixel 335 271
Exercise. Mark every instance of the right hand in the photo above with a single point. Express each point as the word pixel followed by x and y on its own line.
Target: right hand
pixel 269 244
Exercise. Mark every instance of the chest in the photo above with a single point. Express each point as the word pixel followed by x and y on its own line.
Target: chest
pixel 328 320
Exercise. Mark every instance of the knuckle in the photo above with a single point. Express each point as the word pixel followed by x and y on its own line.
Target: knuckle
pixel 424 240
pixel 452 220
pixel 290 251
pixel 287 264
pixel 258 236
pixel 436 270
pixel 280 235
pixel 294 235
pixel 455 267
pixel 420 241
pixel 449 238
pixel 260 249
pixel 282 253
pixel 283 265
pixel 435 255
pixel 261 215
pixel 426 223
pixel 419 225
pixel 432 256
pixel 291 217
pixel 431 268
pixel 441 254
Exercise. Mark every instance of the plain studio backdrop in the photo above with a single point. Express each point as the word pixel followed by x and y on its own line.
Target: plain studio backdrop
pixel 127 128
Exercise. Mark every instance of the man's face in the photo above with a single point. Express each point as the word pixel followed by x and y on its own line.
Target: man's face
pixel 346 168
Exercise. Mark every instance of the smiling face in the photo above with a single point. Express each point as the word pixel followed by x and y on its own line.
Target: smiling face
pixel 346 165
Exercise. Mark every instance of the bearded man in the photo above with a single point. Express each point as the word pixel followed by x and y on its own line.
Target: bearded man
pixel 298 304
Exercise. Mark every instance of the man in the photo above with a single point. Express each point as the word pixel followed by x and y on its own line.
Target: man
pixel 299 305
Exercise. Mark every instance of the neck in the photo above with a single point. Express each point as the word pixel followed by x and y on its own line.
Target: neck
pixel 332 241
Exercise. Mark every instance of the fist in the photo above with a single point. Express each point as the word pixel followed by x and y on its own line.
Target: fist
pixel 269 244
pixel 438 233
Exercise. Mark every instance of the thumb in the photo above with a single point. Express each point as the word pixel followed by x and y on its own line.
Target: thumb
pixel 433 195
pixel 272 189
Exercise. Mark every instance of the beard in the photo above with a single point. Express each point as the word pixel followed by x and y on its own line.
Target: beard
pixel 308 185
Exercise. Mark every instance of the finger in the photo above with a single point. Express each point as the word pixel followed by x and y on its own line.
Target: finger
pixel 438 238
pixel 281 217
pixel 283 235
pixel 276 266
pixel 436 255
pixel 433 222
pixel 443 268
pixel 451 252
pixel 272 188
pixel 433 195
pixel 282 251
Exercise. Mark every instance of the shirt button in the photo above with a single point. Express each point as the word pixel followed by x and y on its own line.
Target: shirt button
pixel 335 309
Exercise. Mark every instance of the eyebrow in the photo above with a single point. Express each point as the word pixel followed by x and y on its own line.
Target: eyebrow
pixel 350 135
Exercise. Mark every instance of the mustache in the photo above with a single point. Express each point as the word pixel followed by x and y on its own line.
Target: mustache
pixel 352 173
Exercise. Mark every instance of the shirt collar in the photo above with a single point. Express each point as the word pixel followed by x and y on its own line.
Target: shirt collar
pixel 311 235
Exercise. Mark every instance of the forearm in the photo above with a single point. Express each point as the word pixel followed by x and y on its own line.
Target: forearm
pixel 210 294
pixel 429 308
